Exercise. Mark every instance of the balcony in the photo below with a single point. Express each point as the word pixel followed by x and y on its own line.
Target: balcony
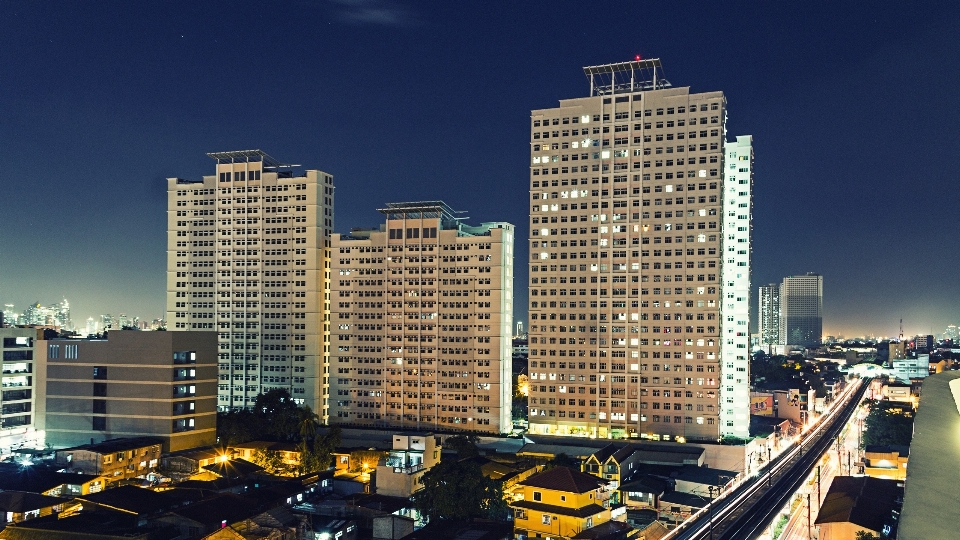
pixel 409 469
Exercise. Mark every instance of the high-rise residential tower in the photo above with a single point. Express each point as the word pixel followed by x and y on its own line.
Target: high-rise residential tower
pixel 768 315
pixel 801 310
pixel 422 311
pixel 248 256
pixel 640 249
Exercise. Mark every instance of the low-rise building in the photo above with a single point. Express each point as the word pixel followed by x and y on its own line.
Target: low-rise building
pixel 47 481
pixel 911 368
pixel 288 452
pixel 559 503
pixel 897 391
pixel 17 506
pixel 116 459
pixel 400 473
pixel 131 384
pixel 888 462
pixel 613 463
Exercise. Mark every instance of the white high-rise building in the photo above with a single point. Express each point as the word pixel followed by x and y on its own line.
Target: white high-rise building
pixel 639 262
pixel 735 287
pixel 248 255
pixel 91 327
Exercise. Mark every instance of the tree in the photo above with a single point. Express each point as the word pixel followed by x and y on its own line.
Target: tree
pixel 270 460
pixel 867 535
pixel 464 445
pixel 888 423
pixel 235 427
pixel 278 415
pixel 308 422
pixel 458 491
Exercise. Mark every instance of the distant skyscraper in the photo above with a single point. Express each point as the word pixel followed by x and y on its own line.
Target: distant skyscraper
pixel 107 322
pixel 640 262
pixel 91 326
pixel 951 333
pixel 423 309
pixel 248 255
pixel 768 315
pixel 56 315
pixel 801 310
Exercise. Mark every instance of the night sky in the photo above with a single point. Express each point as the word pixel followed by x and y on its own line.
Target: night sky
pixel 853 107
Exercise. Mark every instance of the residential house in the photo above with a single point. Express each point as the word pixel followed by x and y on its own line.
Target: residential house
pixel 46 481
pixel 613 463
pixel 644 492
pixel 114 459
pixel 856 504
pixel 400 474
pixel 17 506
pixel 559 503
pixel 289 452
pixel 199 519
pixel 186 463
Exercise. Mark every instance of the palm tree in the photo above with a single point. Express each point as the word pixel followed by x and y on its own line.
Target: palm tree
pixel 309 422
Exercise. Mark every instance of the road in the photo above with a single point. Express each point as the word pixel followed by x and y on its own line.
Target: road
pixel 837 460
pixel 748 509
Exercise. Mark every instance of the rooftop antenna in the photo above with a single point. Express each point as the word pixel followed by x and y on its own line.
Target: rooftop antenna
pixel 901 329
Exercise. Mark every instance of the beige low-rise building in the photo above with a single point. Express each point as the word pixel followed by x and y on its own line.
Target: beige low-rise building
pixel 130 384
pixel 888 462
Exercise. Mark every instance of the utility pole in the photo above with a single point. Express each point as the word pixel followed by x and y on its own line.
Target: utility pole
pixel 809 527
pixel 818 484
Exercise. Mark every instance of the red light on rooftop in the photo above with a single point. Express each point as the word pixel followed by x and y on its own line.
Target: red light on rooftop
pixel 638 57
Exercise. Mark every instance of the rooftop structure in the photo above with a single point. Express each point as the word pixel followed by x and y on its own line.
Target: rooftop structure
pixel 643 75
pixel 248 156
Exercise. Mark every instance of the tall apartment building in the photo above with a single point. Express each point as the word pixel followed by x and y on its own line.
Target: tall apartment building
pixel 768 315
pixel 248 256
pixel 423 310
pixel 130 384
pixel 801 310
pixel 640 234
pixel 18 399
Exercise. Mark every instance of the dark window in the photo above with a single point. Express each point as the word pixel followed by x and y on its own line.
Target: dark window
pixel 99 423
pixel 99 406
pixel 100 389
pixel 100 372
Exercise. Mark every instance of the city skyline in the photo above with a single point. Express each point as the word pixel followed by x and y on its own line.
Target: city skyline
pixel 809 94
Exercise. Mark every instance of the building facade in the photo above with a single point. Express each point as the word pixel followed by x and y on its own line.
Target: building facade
pixel 248 257
pixel 768 315
pixel 18 408
pixel 801 310
pixel 423 313
pixel 131 384
pixel 115 459
pixel 630 193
